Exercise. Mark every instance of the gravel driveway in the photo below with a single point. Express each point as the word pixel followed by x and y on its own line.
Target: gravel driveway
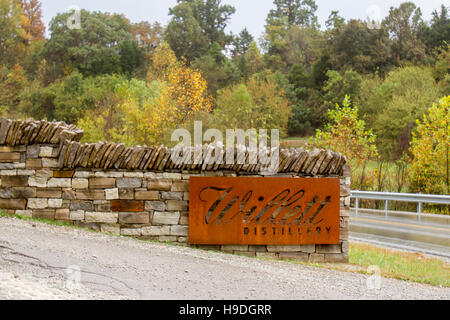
pixel 39 261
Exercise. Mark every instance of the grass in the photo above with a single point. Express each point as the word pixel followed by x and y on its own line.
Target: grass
pixel 394 264
pixel 401 265
pixel 47 221
pixel 406 266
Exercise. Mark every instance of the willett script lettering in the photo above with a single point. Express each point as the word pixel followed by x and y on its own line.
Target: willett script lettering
pixel 282 209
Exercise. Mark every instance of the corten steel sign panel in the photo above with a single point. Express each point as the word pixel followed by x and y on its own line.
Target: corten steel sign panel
pixel 264 211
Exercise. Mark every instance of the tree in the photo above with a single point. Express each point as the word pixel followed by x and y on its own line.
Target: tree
pixel 258 104
pixel 291 34
pixel 102 45
pixel 441 70
pixel 241 43
pixel 347 134
pixel 218 70
pixel 184 33
pixel 184 89
pixel 13 35
pixel 254 59
pixel 299 93
pixel 162 59
pixel 128 115
pixel 359 47
pixel 148 36
pixel 403 24
pixel 11 86
pixel 436 34
pixel 294 45
pixel 298 12
pixel 35 26
pixel 138 112
pixel 335 21
pixel 431 151
pixel 393 106
pixel 338 86
pixel 196 25
pixel 251 62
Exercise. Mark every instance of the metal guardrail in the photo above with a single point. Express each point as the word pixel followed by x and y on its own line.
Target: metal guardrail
pixel 420 199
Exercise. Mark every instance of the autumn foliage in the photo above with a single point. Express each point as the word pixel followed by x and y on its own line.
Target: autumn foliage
pixel 431 150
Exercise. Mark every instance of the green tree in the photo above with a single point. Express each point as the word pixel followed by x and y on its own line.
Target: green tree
pixel 251 62
pixel 297 12
pixel 196 25
pixel 347 134
pixel 338 86
pixel 102 45
pixel 241 43
pixel 441 71
pixel 403 24
pixel 430 149
pixel 299 93
pixel 355 45
pixel 291 34
pixel 436 34
pixel 218 70
pixel 258 103
pixel 394 105
pixel 335 21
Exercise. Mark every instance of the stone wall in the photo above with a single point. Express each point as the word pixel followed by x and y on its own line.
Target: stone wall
pixel 37 181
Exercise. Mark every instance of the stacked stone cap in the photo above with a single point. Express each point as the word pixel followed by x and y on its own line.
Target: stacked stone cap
pixel 19 132
pixel 103 155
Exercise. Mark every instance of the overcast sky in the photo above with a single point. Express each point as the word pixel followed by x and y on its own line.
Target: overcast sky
pixel 250 14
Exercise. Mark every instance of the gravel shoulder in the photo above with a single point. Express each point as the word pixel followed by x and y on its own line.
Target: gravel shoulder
pixel 40 261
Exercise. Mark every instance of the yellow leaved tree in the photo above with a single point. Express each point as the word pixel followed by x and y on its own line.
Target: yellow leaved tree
pixel 146 113
pixel 431 151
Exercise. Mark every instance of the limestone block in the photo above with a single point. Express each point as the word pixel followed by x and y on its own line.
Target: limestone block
pixel 59 183
pixel 155 206
pixel 156 231
pixel 46 152
pixel 38 203
pixel 159 184
pixel 134 218
pixel 146 195
pixel 102 183
pixel 175 205
pixel 77 215
pixel 166 218
pixel 101 217
pixel 78 183
pixel 182 231
pixel 13 204
pixel 55 203
pixel 112 194
pixel 131 232
pixel 129 183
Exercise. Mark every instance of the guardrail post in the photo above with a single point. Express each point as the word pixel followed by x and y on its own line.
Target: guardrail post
pixel 356 205
pixel 419 211
pixel 386 208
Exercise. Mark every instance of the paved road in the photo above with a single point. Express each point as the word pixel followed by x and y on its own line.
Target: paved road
pixel 34 259
pixel 402 233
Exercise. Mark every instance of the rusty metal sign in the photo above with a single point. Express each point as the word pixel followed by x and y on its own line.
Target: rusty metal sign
pixel 264 211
